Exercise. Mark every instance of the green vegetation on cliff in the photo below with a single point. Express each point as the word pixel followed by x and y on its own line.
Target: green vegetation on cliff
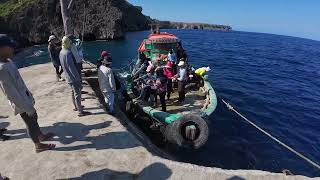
pixel 9 6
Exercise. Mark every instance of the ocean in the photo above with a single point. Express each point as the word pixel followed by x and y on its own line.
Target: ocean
pixel 273 80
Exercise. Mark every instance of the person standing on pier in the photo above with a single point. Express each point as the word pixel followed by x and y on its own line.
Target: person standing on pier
pixel 18 95
pixel 72 74
pixel 54 51
pixel 107 83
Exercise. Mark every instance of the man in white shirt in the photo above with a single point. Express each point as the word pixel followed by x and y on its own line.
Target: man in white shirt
pixel 107 84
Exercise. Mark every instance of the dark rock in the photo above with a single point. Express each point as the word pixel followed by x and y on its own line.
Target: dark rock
pixel 182 25
pixel 104 19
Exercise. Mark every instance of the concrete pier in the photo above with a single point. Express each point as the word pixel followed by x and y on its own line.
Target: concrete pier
pixel 98 146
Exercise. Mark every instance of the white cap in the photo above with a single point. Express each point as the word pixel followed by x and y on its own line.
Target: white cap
pixel 52 37
pixel 208 69
pixel 181 63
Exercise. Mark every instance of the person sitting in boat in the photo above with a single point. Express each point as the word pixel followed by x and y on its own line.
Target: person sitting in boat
pixel 200 73
pixel 141 65
pixel 146 81
pixel 181 53
pixel 171 56
pixel 181 77
pixel 103 55
pixel 168 72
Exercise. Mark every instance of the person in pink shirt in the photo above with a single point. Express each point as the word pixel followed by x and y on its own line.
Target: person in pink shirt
pixel 168 72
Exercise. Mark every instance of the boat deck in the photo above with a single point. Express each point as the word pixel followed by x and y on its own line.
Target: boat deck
pixel 193 103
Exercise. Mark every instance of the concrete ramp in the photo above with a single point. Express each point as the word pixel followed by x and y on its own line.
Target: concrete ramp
pixel 92 147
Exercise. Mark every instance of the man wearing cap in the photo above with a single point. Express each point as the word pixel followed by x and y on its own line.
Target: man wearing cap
pixel 107 83
pixel 77 55
pixel 18 95
pixel 54 51
pixel 103 55
pixel 72 75
pixel 182 79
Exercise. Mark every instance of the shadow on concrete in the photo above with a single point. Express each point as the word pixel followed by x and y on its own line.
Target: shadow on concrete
pixel 69 133
pixel 66 133
pixel 4 124
pixel 236 178
pixel 113 140
pixel 3 117
pixel 155 171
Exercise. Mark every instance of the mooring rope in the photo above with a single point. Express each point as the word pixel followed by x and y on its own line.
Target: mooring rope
pixel 272 137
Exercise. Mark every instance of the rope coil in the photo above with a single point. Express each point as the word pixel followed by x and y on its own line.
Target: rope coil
pixel 272 137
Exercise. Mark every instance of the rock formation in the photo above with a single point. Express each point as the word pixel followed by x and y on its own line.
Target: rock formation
pixel 102 19
pixel 32 21
pixel 183 25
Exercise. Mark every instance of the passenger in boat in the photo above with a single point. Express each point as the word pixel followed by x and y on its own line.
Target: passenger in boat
pixel 19 96
pixel 181 53
pixel 146 82
pixel 168 72
pixel 72 75
pixel 171 56
pixel 103 55
pixel 181 77
pixel 54 51
pixel 161 88
pixel 200 73
pixel 107 84
pixel 141 66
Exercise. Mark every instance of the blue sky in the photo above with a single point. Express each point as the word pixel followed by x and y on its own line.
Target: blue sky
pixel 299 18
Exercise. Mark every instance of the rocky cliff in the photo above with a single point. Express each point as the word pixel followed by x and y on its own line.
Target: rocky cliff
pixel 183 25
pixel 32 21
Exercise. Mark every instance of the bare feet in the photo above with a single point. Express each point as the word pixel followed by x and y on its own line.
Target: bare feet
pixel 46 137
pixel 44 147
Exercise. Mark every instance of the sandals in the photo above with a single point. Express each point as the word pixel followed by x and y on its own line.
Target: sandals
pixel 45 147
pixel 46 137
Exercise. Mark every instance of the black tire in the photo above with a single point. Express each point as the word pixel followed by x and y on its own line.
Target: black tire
pixel 179 132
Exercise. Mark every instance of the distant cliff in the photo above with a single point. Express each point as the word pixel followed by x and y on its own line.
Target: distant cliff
pixel 182 25
pixel 32 21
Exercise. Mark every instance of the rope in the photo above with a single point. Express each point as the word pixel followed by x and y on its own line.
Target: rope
pixel 272 137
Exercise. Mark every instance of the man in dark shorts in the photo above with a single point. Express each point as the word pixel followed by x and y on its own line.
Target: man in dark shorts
pixel 18 95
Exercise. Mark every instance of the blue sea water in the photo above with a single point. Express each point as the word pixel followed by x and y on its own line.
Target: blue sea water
pixel 273 80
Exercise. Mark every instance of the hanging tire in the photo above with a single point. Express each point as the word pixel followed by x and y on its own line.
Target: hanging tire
pixel 190 131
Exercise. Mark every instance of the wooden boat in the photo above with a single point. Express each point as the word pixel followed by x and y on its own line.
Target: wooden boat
pixel 184 124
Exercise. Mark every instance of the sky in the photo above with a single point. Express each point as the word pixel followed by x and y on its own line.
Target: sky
pixel 300 18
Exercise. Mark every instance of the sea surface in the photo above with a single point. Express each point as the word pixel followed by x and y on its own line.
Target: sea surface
pixel 273 80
